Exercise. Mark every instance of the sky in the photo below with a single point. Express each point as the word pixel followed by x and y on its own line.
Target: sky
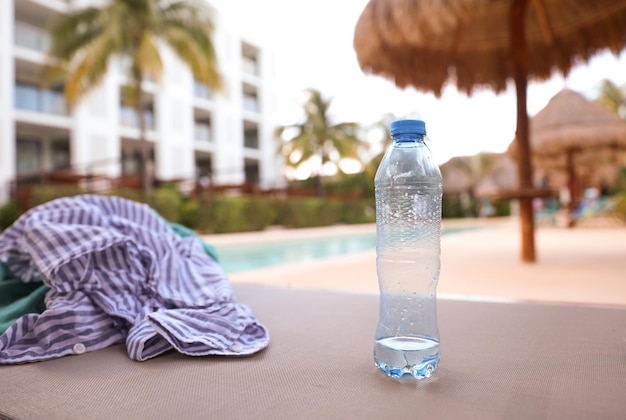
pixel 312 41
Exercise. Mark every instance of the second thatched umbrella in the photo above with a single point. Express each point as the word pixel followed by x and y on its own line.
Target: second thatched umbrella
pixel 571 132
pixel 486 43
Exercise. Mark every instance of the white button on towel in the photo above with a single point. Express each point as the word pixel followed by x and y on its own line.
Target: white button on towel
pixel 236 348
pixel 79 348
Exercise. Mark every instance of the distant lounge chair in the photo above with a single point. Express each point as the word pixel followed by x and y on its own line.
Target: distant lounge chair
pixel 598 212
pixel 550 214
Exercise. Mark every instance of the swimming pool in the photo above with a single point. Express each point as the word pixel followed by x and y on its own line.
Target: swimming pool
pixel 242 257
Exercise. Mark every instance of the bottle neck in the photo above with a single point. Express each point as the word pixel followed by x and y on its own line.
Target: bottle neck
pixel 408 138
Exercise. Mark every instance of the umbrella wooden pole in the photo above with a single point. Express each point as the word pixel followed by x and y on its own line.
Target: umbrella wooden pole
pixel 574 188
pixel 520 68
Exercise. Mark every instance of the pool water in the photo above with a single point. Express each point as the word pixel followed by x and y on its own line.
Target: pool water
pixel 244 257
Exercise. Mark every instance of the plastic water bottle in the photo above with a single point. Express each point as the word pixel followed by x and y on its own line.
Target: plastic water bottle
pixel 408 245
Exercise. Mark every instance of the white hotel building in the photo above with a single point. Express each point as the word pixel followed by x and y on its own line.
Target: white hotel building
pixel 226 137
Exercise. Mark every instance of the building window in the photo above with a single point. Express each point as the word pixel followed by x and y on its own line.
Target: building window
pixel 31 97
pixel 250 103
pixel 249 59
pixel 60 154
pixel 202 130
pixel 251 138
pixel 28 156
pixel 128 115
pixel 250 98
pixel 125 64
pixel 203 168
pixel 200 90
pixel 131 162
pixel 250 66
pixel 252 172
pixel 31 37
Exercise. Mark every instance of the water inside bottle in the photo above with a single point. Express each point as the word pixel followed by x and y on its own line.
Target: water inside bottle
pixel 417 357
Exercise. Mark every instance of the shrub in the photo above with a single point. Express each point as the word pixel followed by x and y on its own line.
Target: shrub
pixel 238 214
pixel 620 206
pixel 360 184
pixel 167 202
pixel 293 213
pixel 360 211
pixel 260 212
pixel 130 194
pixel 188 214
pixel 221 214
pixel 503 207
pixel 48 193
pixel 309 212
pixel 9 213
pixel 228 214
pixel 330 212
pixel 455 207
pixel 619 185
pixel 452 207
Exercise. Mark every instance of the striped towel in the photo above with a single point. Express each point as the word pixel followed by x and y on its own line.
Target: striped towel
pixel 118 273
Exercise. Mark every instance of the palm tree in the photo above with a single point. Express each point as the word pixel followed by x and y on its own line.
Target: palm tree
pixel 317 136
pixel 613 98
pixel 85 40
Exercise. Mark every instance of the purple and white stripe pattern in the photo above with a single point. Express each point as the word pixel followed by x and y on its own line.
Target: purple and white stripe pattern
pixel 119 273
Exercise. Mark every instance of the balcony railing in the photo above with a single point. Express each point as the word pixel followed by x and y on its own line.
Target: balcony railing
pixel 250 103
pixel 31 37
pixel 202 132
pixel 251 142
pixel 200 90
pixel 128 118
pixel 250 66
pixel 33 98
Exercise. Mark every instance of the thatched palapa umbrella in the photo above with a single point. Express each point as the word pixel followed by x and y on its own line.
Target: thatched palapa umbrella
pixel 484 44
pixel 573 130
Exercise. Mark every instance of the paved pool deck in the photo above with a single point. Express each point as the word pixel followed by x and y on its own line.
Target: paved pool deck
pixel 586 264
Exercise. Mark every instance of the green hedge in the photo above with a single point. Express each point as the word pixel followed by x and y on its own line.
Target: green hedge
pixel 42 195
pixel 454 208
pixel 9 213
pixel 503 207
pixel 620 206
pixel 359 211
pixel 223 214
pixel 308 212
pixel 312 212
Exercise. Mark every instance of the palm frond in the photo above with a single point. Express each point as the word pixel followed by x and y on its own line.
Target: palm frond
pixel 147 59
pixel 87 72
pixel 187 27
pixel 69 35
pixel 200 55
pixel 73 32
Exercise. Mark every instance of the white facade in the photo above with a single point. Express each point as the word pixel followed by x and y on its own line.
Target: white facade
pixel 225 136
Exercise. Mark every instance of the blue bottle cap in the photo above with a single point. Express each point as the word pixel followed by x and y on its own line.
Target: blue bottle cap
pixel 407 127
